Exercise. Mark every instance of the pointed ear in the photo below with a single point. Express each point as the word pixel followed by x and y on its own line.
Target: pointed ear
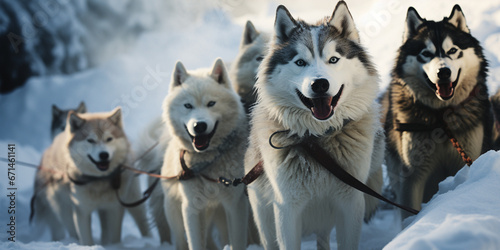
pixel 342 20
pixel 284 24
pixel 249 34
pixel 219 73
pixel 457 19
pixel 179 75
pixel 75 122
pixel 81 108
pixel 413 20
pixel 116 117
pixel 56 112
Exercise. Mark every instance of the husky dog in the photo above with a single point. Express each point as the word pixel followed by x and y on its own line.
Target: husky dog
pixel 208 125
pixel 495 102
pixel 438 88
pixel 80 173
pixel 318 84
pixel 59 117
pixel 243 71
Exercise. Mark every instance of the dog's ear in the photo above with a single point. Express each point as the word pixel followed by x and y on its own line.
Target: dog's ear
pixel 75 122
pixel 284 24
pixel 413 21
pixel 179 75
pixel 116 117
pixel 81 108
pixel 342 20
pixel 249 34
pixel 56 112
pixel 457 19
pixel 219 73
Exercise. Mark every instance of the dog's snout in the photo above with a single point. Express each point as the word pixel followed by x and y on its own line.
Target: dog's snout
pixel 104 156
pixel 200 127
pixel 320 86
pixel 444 73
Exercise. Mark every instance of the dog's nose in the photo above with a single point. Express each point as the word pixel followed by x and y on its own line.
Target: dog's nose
pixel 103 156
pixel 444 73
pixel 320 86
pixel 200 127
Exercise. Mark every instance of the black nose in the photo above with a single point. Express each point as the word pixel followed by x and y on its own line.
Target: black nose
pixel 200 127
pixel 444 73
pixel 320 86
pixel 103 156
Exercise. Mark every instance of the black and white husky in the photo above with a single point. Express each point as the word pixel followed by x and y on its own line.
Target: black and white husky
pixel 438 91
pixel 316 83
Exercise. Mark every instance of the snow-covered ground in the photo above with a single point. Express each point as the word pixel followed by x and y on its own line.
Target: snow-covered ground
pixel 464 215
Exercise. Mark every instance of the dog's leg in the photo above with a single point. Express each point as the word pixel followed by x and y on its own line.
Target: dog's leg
pixel 264 219
pixel 173 214
pixel 288 224
pixel 111 225
pixel 220 222
pixel 158 213
pixel 237 214
pixel 83 228
pixel 133 193
pixel 193 224
pixel 412 193
pixel 323 240
pixel 349 218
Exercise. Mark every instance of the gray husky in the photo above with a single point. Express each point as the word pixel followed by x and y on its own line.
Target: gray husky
pixel 59 117
pixel 437 92
pixel 243 71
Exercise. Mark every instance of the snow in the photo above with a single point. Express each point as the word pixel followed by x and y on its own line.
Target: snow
pixel 465 214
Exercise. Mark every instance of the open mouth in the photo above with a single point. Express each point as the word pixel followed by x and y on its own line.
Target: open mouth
pixel 101 165
pixel 444 89
pixel 201 142
pixel 322 107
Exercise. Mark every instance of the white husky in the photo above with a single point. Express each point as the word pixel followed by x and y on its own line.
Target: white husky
pixel 207 124
pixel 315 84
pixel 80 173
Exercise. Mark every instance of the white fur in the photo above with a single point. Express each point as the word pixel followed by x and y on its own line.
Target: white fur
pixel 296 196
pixel 64 205
pixel 190 205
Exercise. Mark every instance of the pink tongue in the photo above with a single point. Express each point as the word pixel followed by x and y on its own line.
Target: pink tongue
pixel 322 107
pixel 200 141
pixel 445 90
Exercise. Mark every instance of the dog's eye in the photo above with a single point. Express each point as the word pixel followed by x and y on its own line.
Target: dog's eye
pixel 109 139
pixel 300 63
pixel 259 58
pixel 333 60
pixel 91 141
pixel 188 106
pixel 211 104
pixel 452 51
pixel 427 54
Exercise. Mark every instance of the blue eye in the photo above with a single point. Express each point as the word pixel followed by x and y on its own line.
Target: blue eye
pixel 211 104
pixel 333 60
pixel 188 106
pixel 301 63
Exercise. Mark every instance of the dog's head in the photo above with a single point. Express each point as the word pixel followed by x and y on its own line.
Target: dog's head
pixel 313 71
pixel 441 57
pixel 253 47
pixel 97 142
pixel 59 117
pixel 201 108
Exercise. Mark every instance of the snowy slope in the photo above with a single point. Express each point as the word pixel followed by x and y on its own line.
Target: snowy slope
pixel 198 32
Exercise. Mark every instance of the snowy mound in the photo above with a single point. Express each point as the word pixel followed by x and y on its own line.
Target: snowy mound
pixel 465 214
